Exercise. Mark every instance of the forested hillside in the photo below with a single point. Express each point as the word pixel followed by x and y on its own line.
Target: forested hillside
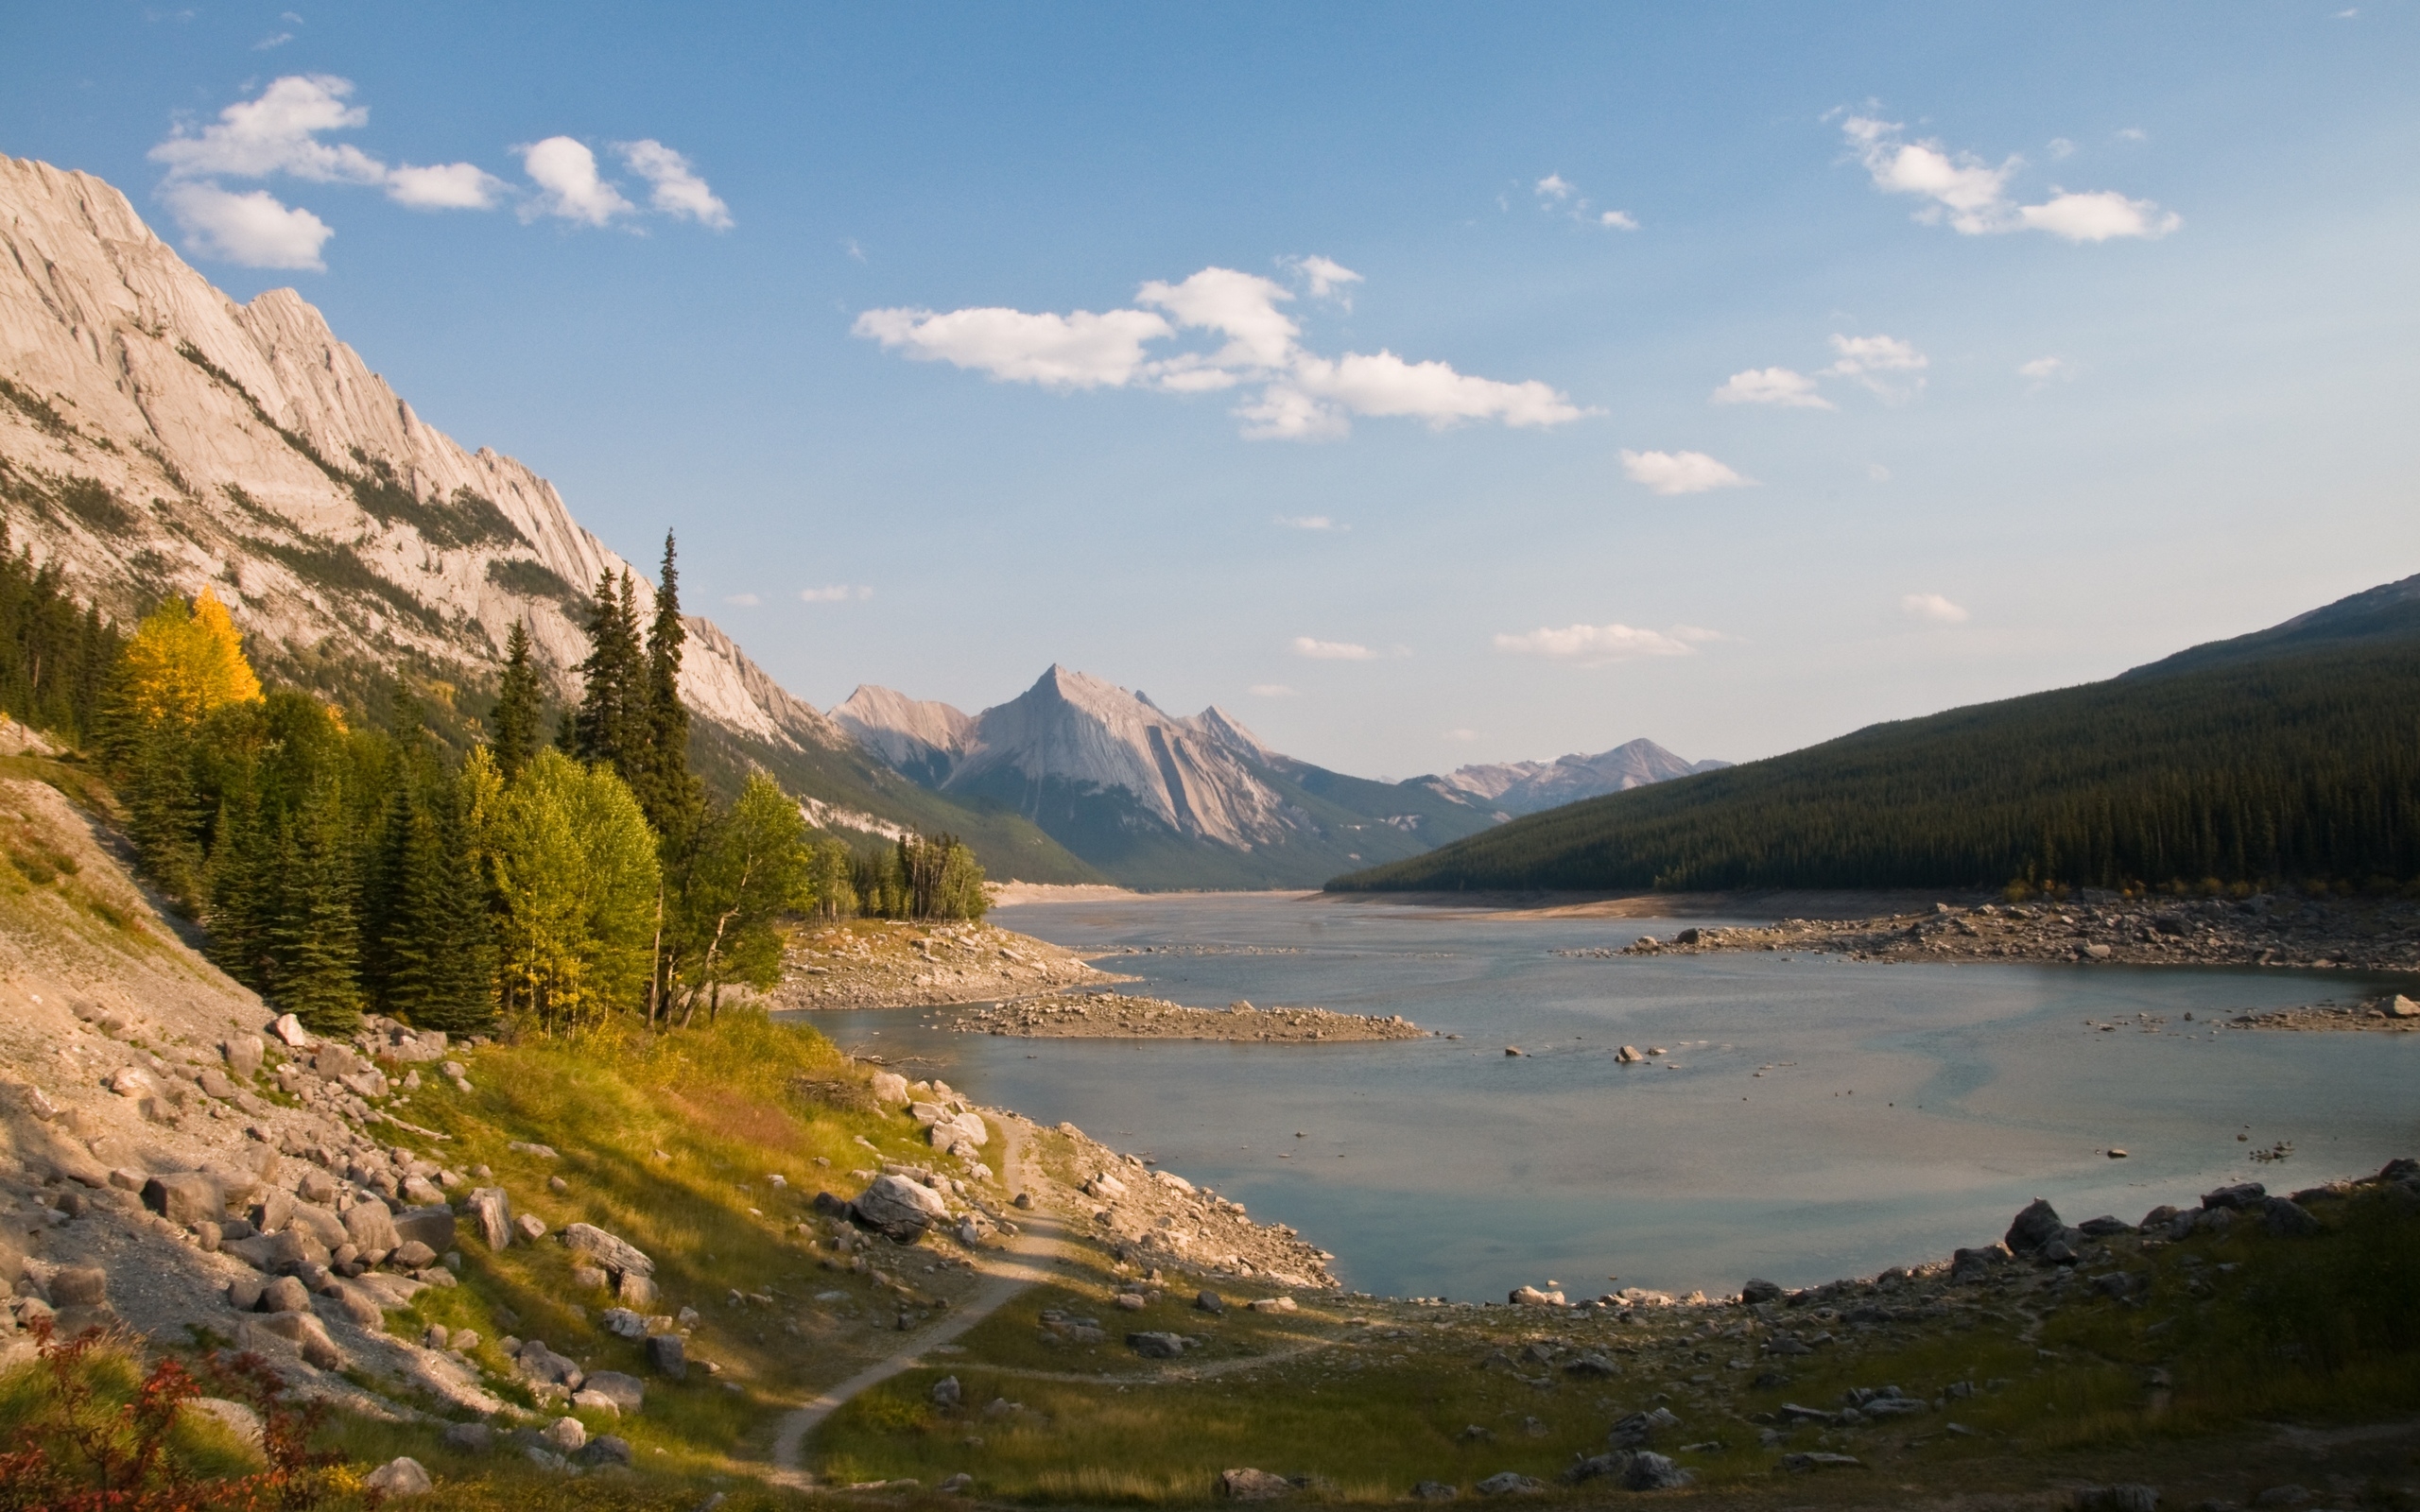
pixel 2289 756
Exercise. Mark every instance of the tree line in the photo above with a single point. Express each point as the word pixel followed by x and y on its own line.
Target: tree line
pixel 339 868
pixel 2300 768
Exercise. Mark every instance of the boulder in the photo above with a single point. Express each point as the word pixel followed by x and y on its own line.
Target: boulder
pixel 1650 1472
pixel 637 1290
pixel 412 1255
pixel 79 1286
pixel 243 1293
pixel 1433 1491
pixel 470 1438
pixel 333 1061
pixel 1532 1297
pixel 185 1198
pixel 432 1226
pixel 213 1083
pixel 667 1355
pixel 566 1434
pixel 243 1054
pixel 399 1477
pixel 356 1306
pixel 240 1420
pixel 372 1226
pixel 1640 1428
pixel 899 1207
pixel 586 1400
pixel 1156 1345
pixel 1800 1464
pixel 2399 1006
pixel 947 1394
pixel 2243 1195
pixel 493 1210
pixel 889 1087
pixel 289 1029
pixel 616 1255
pixel 301 1329
pixel 1210 1302
pixel 623 1323
pixel 2287 1219
pixel 1248 1485
pixel 316 1186
pixel 543 1365
pixel 321 1225
pixel 284 1294
pixel 626 1393
pixel 1760 1291
pixel 1509 1483
pixel 607 1449
pixel 2036 1226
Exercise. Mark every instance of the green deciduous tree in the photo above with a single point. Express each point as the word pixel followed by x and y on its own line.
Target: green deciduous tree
pixel 751 865
pixel 576 877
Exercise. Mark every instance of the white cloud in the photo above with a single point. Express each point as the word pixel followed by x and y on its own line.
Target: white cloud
pixel 1862 357
pixel 1619 220
pixel 445 186
pixel 1332 650
pixel 1972 194
pixel 835 593
pixel 565 170
pixel 1326 277
pixel 271 44
pixel 2132 133
pixel 277 133
pixel 2042 370
pixel 1299 395
pixel 1553 186
pixel 2098 217
pixel 1079 351
pixel 1934 608
pixel 1309 522
pixel 1772 386
pixel 250 228
pixel 1464 735
pixel 743 601
pixel 1272 690
pixel 1671 472
pixel 1594 645
pixel 678 190
pixel 2061 148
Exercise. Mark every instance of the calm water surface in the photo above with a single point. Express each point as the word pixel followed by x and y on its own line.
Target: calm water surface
pixel 1901 1110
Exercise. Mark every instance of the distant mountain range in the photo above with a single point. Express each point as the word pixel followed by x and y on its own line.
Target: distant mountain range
pixel 2288 755
pixel 1155 800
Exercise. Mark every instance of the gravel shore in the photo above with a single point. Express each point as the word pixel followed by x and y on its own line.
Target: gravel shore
pixel 1111 1016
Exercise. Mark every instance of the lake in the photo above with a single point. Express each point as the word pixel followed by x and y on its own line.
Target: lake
pixel 1813 1117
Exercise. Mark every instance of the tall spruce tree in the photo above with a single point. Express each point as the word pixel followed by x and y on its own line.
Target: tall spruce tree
pixel 314 936
pixel 438 946
pixel 673 796
pixel 512 726
pixel 610 727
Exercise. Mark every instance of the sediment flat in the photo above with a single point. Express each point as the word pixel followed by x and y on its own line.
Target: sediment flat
pixel 1113 1016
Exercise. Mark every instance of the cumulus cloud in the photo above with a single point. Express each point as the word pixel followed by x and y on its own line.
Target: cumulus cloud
pixel 1326 277
pixel 1593 646
pixel 251 229
pixel 2042 370
pixel 1772 386
pixel 1295 393
pixel 280 132
pixel 569 186
pixel 446 186
pixel 1079 351
pixel 677 191
pixel 836 593
pixel 1272 690
pixel 1309 522
pixel 1932 607
pixel 1560 194
pixel 1553 187
pixel 1671 472
pixel 1619 220
pixel 1971 196
pixel 1332 650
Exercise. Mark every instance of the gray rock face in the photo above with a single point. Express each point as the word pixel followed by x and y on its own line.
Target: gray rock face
pixel 185 1198
pixel 618 1257
pixel 492 1210
pixel 667 1355
pixel 897 1205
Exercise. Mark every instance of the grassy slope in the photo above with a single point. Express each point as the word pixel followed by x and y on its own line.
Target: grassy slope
pixel 2208 771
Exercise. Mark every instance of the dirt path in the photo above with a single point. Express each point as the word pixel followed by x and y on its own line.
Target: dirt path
pixel 1029 1259
pixel 1180 1377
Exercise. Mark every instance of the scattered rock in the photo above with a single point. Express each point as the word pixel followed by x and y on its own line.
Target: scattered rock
pixel 493 1210
pixel 1818 1461
pixel 1157 1345
pixel 1509 1483
pixel 372 1226
pixel 1210 1302
pixel 79 1286
pixel 628 1393
pixel 399 1477
pixel 2288 1220
pixel 470 1438
pixel 1433 1491
pixel 668 1356
pixel 607 1449
pixel 899 1207
pixel 289 1029
pixel 185 1198
pixel 1247 1484
pixel 243 1054
pixel 1760 1291
pixel 566 1434
pixel 946 1393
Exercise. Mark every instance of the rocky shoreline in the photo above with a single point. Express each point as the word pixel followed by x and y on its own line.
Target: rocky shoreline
pixel 2267 929
pixel 1113 1016
pixel 876 963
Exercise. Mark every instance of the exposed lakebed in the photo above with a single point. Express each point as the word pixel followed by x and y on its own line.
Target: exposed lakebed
pixel 1902 1110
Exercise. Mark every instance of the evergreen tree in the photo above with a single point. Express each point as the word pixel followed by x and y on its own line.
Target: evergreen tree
pixel 610 725
pixel 313 936
pixel 512 727
pixel 435 944
pixel 671 794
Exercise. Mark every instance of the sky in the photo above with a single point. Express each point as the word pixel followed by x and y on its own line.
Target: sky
pixel 1421 383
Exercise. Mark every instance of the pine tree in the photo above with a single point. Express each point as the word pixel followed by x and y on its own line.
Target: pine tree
pixel 437 944
pixel 313 935
pixel 671 794
pixel 512 727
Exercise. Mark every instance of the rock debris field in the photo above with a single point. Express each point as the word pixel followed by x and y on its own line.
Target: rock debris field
pixel 875 963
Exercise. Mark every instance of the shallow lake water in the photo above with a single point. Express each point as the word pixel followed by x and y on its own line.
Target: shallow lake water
pixel 1812 1117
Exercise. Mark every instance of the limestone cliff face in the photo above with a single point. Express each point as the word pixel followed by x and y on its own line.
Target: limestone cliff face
pixel 157 436
pixel 920 737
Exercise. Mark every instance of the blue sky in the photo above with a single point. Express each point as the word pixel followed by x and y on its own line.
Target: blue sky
pixel 1932 354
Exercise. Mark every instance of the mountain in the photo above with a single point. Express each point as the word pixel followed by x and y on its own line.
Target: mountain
pixel 2292 754
pixel 157 437
pixel 1155 800
pixel 1525 787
